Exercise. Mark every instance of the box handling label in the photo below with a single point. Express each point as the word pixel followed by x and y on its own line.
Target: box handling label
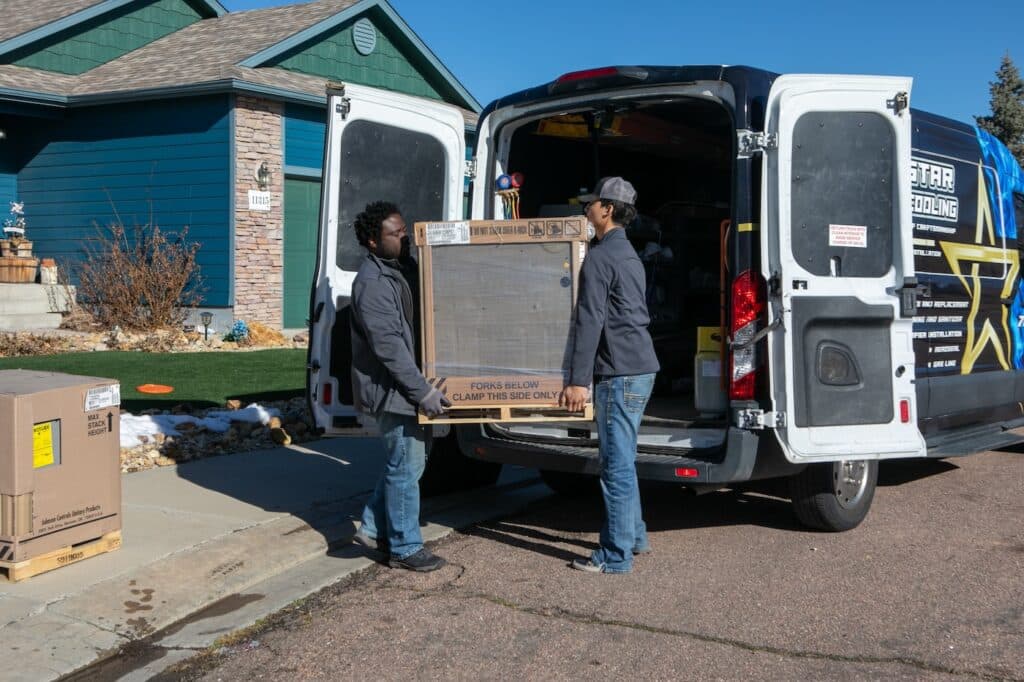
pixel 439 234
pixel 102 396
pixel 42 445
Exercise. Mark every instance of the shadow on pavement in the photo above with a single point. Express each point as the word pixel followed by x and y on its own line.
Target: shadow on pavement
pixel 902 471
pixel 323 483
pixel 551 525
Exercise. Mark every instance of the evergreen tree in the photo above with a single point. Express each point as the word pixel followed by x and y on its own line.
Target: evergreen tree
pixel 1007 102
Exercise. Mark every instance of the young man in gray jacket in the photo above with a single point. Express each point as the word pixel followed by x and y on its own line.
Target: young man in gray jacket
pixel 613 350
pixel 388 385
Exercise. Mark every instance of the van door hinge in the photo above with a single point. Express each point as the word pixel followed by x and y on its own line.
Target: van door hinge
pixel 470 169
pixel 898 103
pixel 344 106
pixel 759 419
pixel 750 142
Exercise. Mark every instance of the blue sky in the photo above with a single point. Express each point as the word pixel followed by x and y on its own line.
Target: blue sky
pixel 952 50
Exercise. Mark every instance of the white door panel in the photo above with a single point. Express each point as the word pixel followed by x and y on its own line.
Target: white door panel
pixel 837 243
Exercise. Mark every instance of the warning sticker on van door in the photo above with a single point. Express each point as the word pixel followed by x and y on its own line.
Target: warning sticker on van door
pixel 848 235
pixel 447 233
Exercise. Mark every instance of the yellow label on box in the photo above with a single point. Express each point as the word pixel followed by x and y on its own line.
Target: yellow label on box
pixel 709 339
pixel 42 445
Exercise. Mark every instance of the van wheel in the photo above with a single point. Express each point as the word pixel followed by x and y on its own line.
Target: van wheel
pixel 834 496
pixel 449 471
pixel 569 484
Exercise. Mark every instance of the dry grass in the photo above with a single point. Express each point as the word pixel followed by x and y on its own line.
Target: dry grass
pixel 262 335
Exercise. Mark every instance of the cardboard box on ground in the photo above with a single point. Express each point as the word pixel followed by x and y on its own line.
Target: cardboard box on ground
pixel 497 298
pixel 60 481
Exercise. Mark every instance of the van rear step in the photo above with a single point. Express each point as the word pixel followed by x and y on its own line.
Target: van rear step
pixel 491 414
pixel 970 441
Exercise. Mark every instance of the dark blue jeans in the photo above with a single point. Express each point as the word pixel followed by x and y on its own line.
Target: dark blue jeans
pixel 619 404
pixel 394 506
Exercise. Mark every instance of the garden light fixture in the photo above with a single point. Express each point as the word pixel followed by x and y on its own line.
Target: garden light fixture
pixel 206 317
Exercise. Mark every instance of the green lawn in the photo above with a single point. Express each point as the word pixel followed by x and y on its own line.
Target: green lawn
pixel 202 379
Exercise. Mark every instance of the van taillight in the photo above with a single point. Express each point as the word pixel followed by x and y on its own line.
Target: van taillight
pixel 587 75
pixel 747 308
pixel 327 393
pixel 607 75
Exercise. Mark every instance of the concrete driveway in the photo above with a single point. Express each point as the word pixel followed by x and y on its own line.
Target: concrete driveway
pixel 930 586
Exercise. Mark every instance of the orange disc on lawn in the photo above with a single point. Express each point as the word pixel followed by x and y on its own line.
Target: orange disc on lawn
pixel 154 388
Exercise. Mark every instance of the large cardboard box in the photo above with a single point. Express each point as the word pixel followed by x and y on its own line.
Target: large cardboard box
pixel 497 298
pixel 60 476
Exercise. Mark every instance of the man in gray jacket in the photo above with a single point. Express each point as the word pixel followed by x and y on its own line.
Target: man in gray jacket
pixel 613 350
pixel 388 385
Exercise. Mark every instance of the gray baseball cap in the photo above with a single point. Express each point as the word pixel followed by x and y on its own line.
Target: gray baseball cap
pixel 613 189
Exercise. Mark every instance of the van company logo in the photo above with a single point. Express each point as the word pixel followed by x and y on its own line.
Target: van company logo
pixel 933 187
pixel 984 328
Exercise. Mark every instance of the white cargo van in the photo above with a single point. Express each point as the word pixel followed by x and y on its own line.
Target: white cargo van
pixel 859 259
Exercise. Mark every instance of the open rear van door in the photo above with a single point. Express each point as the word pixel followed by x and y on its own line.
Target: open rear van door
pixel 380 146
pixel 837 234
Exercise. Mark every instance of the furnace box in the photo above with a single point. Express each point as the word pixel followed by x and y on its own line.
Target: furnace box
pixel 497 298
pixel 60 474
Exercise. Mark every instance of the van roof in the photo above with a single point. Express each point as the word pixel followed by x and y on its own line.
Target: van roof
pixel 748 82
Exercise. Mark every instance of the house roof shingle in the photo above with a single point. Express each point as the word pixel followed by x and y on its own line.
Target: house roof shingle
pixel 204 52
pixel 22 16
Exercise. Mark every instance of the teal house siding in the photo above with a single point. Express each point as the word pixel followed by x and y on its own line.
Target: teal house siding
pixel 166 163
pixel 304 131
pixel 8 191
pixel 334 56
pixel 107 37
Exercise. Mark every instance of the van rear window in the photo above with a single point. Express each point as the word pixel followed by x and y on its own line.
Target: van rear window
pixel 842 193
pixel 384 163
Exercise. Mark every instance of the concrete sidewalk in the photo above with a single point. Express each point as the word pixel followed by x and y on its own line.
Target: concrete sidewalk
pixel 273 524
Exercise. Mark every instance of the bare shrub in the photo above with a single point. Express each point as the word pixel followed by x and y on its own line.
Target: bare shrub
pixel 75 318
pixel 14 345
pixel 141 278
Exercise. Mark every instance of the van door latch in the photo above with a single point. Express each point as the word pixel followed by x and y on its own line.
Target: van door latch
pixel 759 419
pixel 749 142
pixel 908 294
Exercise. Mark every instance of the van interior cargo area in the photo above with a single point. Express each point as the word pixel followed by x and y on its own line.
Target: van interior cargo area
pixel 678 155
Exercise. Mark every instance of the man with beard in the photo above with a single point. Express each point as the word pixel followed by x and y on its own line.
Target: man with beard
pixel 388 385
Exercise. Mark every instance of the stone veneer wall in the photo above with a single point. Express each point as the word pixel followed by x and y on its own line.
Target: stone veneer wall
pixel 259 235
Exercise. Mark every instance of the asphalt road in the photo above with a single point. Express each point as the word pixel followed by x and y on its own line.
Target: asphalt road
pixel 930 586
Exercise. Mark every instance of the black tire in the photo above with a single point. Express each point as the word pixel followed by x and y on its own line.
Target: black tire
pixel 449 471
pixel 573 485
pixel 834 496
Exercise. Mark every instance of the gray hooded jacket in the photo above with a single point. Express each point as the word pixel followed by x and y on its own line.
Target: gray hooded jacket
pixel 385 377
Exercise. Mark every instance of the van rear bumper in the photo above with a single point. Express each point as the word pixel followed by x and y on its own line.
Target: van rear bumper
pixel 737 462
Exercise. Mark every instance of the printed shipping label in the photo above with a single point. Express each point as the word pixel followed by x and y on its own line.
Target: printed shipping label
pixel 102 396
pixel 848 235
pixel 447 233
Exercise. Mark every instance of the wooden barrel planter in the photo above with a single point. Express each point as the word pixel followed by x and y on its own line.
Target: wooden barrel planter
pixel 18 270
pixel 15 247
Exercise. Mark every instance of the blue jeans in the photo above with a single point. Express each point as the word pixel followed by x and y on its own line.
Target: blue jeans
pixel 619 404
pixel 394 505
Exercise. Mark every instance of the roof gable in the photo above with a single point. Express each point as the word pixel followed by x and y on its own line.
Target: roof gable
pixel 325 47
pixel 335 57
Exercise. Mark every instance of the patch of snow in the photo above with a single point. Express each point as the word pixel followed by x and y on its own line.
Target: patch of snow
pixel 134 427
